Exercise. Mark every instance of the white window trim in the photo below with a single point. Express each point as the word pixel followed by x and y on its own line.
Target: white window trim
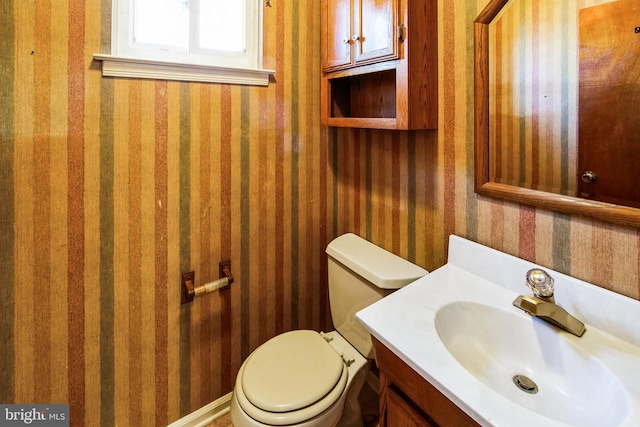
pixel 118 66
pixel 158 69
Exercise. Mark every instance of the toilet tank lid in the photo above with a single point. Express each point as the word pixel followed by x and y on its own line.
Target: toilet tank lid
pixel 379 266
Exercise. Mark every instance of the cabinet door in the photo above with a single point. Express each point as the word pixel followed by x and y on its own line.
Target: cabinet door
pixel 375 29
pixel 401 414
pixel 336 33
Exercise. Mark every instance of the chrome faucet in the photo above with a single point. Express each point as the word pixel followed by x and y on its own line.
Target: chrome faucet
pixel 542 303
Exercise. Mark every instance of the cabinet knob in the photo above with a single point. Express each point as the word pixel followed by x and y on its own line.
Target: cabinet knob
pixel 346 41
pixel 402 32
pixel 355 38
pixel 589 177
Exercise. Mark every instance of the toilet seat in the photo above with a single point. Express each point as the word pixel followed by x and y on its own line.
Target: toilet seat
pixel 291 378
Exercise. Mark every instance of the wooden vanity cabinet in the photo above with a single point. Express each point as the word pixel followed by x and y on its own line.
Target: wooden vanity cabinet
pixel 408 400
pixel 401 413
pixel 379 63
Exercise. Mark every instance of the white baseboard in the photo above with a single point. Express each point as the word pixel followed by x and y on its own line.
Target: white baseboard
pixel 205 415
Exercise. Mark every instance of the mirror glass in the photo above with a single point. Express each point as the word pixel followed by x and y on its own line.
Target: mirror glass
pixel 533 95
pixel 560 85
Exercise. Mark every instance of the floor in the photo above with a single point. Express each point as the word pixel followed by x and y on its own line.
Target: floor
pixel 368 403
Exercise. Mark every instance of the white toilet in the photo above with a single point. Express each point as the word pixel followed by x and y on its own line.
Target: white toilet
pixel 306 378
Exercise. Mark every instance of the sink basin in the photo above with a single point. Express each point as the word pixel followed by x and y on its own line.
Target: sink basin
pixel 496 345
pixel 457 328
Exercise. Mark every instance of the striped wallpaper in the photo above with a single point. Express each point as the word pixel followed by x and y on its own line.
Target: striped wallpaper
pixel 111 188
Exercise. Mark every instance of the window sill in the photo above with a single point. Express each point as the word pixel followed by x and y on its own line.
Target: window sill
pixel 117 66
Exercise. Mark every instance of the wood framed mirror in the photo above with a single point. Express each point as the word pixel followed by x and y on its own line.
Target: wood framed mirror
pixel 484 184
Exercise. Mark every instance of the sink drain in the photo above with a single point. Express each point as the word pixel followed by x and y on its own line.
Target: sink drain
pixel 525 384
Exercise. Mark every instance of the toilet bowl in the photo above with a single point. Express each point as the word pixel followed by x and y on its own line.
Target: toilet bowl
pixel 306 378
pixel 308 384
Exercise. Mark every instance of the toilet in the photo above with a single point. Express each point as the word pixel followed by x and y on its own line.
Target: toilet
pixel 307 378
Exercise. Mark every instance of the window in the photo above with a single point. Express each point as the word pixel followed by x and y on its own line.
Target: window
pixel 200 40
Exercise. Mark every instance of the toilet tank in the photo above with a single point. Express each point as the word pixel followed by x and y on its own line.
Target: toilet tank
pixel 361 273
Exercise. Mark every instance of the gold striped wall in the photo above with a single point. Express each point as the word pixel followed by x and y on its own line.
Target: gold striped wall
pixel 111 188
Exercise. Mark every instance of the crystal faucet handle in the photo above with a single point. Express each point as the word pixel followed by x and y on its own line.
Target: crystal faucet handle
pixel 540 282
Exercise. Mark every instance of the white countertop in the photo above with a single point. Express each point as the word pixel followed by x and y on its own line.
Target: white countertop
pixel 405 323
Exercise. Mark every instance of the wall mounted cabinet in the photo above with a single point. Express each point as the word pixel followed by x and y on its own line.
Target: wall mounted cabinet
pixel 379 63
pixel 358 32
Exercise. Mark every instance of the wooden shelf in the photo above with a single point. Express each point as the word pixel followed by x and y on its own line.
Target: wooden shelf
pixel 397 89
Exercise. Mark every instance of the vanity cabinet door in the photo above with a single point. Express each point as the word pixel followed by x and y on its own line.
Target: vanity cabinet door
pixel 336 34
pixel 416 397
pixel 401 414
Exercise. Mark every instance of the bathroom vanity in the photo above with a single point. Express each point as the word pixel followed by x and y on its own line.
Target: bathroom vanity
pixel 453 350
pixel 407 399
